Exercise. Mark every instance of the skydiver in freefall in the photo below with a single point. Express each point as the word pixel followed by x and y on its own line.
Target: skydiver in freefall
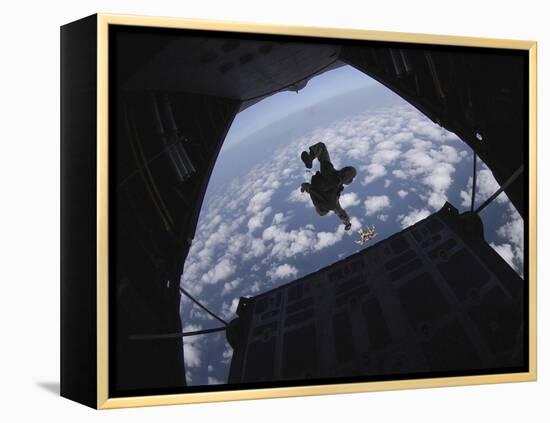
pixel 327 184
pixel 366 234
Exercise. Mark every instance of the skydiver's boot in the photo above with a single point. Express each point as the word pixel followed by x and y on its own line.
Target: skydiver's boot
pixel 307 158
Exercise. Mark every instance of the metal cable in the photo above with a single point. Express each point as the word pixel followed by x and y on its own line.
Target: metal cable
pixel 474 183
pixel 188 295
pixel 175 334
pixel 511 179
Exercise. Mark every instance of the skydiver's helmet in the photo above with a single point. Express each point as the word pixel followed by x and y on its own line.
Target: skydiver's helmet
pixel 347 174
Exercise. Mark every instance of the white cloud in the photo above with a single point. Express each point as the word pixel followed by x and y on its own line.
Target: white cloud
pixel 512 234
pixel 191 347
pixel 439 178
pixel 418 159
pixel 374 171
pixel 214 381
pixel 259 201
pixel 386 145
pixel 349 200
pixel 425 129
pixel 448 154
pixel 213 222
pixel 413 217
pixel 195 314
pixel 279 218
pixel 229 308
pixel 376 203
pixel 284 271
pixel 296 196
pixel 436 199
pixel 385 156
pixel 383 217
pixel 506 252
pixel 513 230
pixel 486 185
pixel 256 248
pixel 288 243
pixel 467 196
pixel 402 193
pixel 227 354
pixel 327 239
pixel 359 150
pixel 230 286
pixel 434 165
pixel 398 173
pixel 252 289
pixel 257 221
pixel 222 270
pixel 401 137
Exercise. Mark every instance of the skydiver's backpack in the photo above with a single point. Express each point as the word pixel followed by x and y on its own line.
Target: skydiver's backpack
pixel 325 190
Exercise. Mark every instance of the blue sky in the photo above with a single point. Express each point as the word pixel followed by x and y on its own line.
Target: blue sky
pixel 276 107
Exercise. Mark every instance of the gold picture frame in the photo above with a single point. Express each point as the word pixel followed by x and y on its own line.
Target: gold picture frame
pixel 102 254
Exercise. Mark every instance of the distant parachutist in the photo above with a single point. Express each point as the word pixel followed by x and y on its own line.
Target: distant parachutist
pixel 327 184
pixel 366 234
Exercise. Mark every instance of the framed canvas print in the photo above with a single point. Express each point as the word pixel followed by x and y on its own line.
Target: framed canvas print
pixel 254 211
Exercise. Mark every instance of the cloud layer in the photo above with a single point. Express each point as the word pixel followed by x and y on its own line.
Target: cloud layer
pixel 259 231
